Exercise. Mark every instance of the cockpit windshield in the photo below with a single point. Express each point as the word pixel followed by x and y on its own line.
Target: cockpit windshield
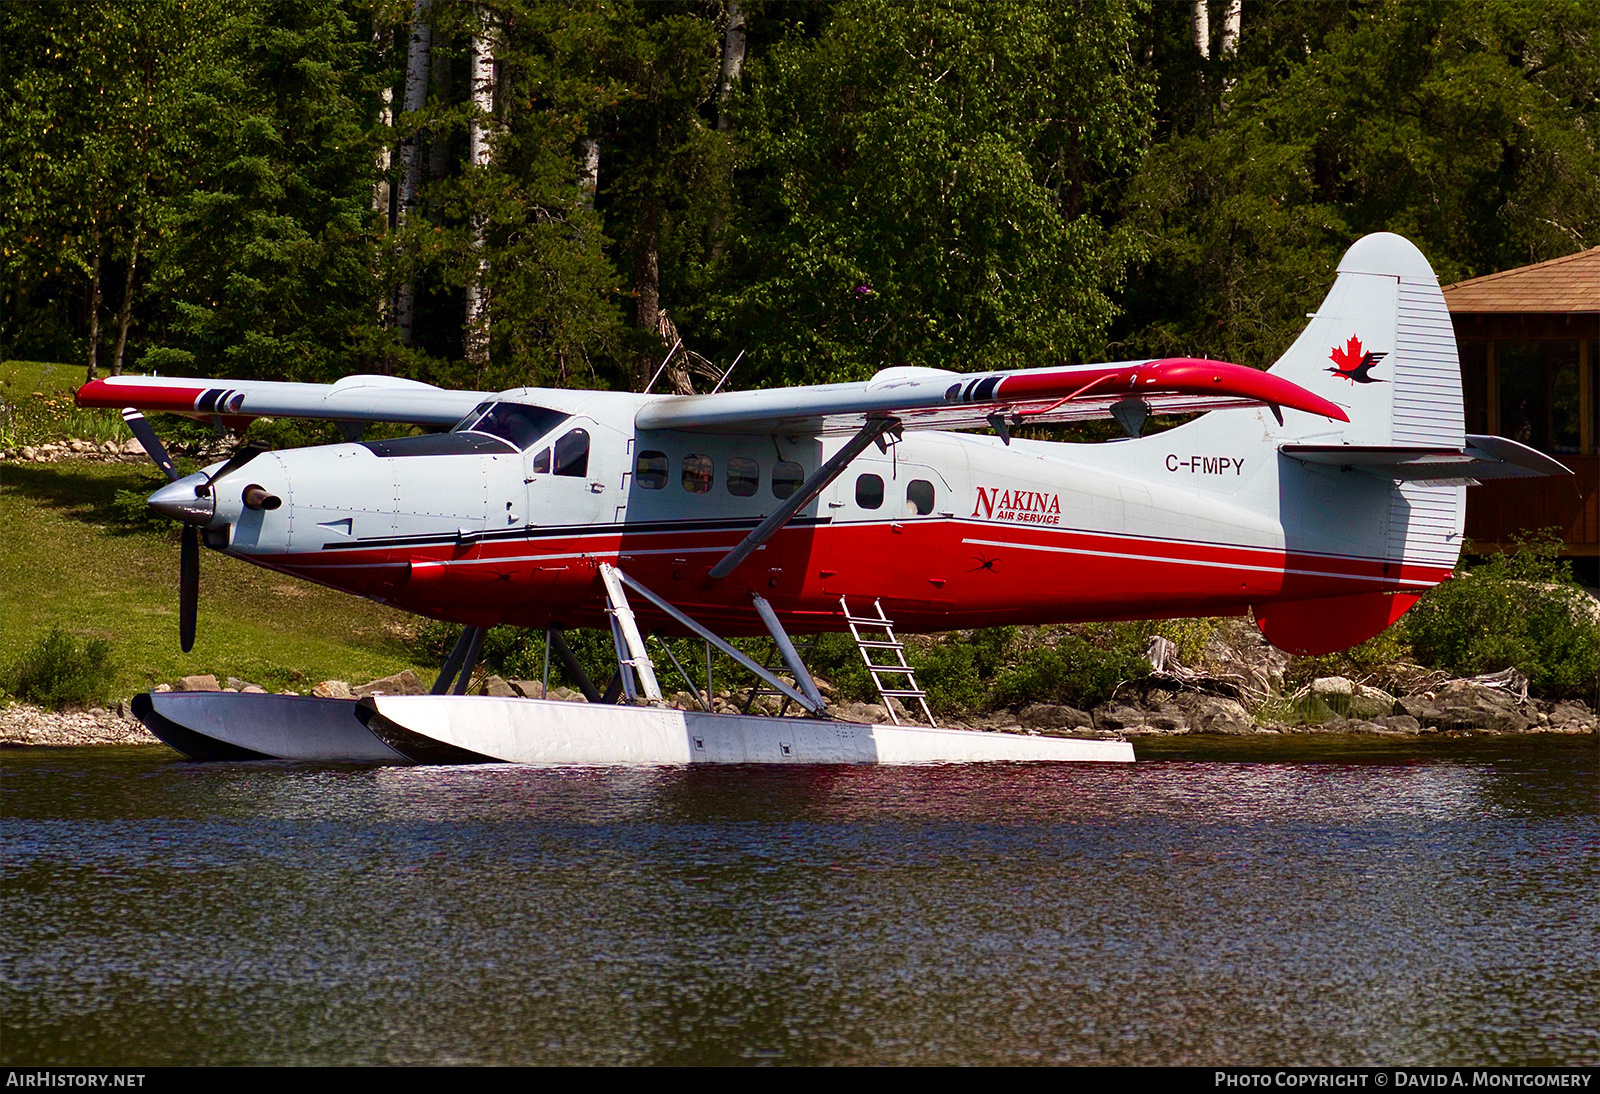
pixel 518 423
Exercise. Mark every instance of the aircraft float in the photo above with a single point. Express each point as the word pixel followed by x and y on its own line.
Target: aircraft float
pixel 1324 495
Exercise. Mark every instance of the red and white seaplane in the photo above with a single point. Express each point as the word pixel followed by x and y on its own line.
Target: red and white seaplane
pixel 1325 495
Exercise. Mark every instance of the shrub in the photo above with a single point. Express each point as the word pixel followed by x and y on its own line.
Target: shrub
pixel 1519 609
pixel 1082 668
pixel 56 672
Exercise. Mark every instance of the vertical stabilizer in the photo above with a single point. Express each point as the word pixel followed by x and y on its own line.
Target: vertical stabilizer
pixel 1381 346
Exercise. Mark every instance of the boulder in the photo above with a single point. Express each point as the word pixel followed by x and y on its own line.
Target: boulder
pixel 1167 718
pixel 1465 705
pixel 496 687
pixel 868 713
pixel 1571 717
pixel 333 689
pixel 1051 716
pixel 1214 715
pixel 528 689
pixel 236 684
pixel 401 683
pixel 1118 717
pixel 206 682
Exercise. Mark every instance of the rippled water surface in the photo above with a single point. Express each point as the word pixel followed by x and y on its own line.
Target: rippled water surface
pixel 1431 905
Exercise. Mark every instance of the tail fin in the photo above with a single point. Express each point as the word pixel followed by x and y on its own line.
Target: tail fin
pixel 1381 346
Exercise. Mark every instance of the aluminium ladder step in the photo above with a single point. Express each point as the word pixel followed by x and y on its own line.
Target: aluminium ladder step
pixel 883 623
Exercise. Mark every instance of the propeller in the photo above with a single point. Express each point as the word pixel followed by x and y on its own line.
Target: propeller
pixel 194 504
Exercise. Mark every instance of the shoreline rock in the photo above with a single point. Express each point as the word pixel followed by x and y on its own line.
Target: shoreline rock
pixel 23 725
pixel 1328 707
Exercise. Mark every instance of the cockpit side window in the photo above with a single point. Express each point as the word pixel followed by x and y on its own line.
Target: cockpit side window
pixel 572 454
pixel 518 423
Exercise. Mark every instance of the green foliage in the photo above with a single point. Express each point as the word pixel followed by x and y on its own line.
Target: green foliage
pixel 1466 127
pixel 924 186
pixel 1519 609
pixel 1081 667
pixel 56 672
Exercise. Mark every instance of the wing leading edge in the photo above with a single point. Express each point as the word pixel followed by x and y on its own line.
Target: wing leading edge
pixel 925 398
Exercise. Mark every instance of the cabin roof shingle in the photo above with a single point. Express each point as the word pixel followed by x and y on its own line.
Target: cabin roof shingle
pixel 1566 285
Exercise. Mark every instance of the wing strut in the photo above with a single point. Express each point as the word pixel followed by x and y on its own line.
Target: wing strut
pixel 874 429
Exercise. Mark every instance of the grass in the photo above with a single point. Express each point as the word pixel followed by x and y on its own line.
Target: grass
pixel 36 406
pixel 66 561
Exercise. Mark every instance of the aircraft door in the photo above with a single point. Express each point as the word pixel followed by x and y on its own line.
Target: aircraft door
pixel 574 476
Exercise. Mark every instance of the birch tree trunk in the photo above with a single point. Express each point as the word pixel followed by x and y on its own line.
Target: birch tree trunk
pixel 476 340
pixel 417 58
pixel 125 313
pixel 1230 37
pixel 380 189
pixel 94 309
pixel 733 50
pixel 589 171
pixel 734 42
pixel 1202 29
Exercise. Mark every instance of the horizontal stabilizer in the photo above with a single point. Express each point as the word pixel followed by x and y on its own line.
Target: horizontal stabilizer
pixel 1482 458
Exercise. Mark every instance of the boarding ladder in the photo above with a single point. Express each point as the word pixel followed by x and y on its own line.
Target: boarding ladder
pixel 898 671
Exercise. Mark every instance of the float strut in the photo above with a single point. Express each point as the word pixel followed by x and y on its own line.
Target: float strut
pixel 570 662
pixel 470 662
pixel 791 656
pixel 452 664
pixel 811 706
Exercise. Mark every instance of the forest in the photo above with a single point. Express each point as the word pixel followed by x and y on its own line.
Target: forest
pixel 531 192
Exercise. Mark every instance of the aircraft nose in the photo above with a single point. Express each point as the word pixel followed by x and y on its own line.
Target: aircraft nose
pixel 183 500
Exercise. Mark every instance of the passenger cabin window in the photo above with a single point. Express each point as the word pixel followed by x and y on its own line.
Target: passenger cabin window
pixel 697 474
pixel 786 479
pixel 572 454
pixel 651 470
pixel 541 463
pixel 919 498
pixel 869 492
pixel 517 423
pixel 744 477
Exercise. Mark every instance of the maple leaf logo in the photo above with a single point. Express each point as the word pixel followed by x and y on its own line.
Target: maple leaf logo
pixel 1353 365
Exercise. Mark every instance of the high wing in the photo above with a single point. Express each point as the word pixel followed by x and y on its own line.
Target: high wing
pixel 234 402
pixel 927 398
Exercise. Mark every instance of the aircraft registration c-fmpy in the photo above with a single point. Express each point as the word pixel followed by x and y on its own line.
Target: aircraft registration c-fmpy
pixel 1325 494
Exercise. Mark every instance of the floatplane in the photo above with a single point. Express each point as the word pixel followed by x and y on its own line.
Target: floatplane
pixel 1323 495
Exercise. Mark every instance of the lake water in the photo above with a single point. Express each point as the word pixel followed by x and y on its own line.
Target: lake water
pixel 1241 903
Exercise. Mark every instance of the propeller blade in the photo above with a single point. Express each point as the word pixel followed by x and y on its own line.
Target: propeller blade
pixel 188 586
pixel 145 433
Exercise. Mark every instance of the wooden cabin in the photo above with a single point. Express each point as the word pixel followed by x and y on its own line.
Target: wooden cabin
pixel 1529 340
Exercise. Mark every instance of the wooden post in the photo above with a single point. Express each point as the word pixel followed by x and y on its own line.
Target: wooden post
pixel 1586 396
pixel 1492 372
